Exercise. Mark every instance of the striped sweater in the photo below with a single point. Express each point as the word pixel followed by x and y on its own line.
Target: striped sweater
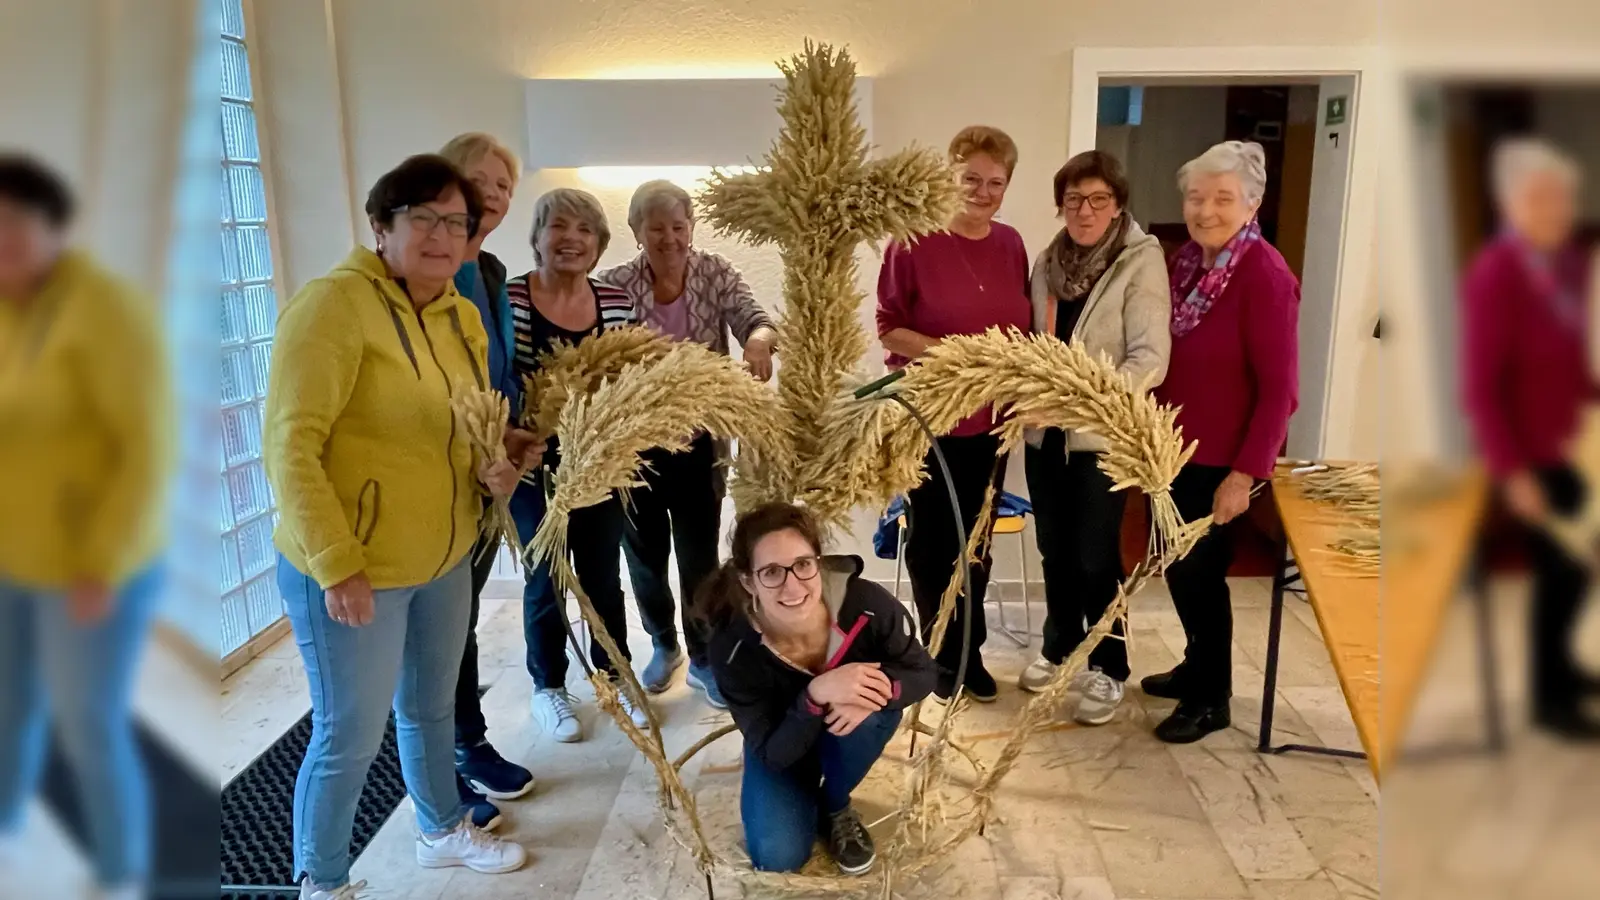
pixel 535 335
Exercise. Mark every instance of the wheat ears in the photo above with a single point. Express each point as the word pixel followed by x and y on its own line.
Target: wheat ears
pixel 482 415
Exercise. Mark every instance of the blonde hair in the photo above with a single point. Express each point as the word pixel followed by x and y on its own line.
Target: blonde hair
pixel 1246 159
pixel 1515 159
pixel 465 150
pixel 581 205
pixel 653 196
pixel 975 139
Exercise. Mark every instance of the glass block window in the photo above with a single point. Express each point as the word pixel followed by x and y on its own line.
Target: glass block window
pixel 250 600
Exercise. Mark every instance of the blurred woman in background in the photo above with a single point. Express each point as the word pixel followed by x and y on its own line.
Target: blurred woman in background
pixel 84 456
pixel 1102 283
pixel 687 294
pixel 1234 374
pixel 965 280
pixel 1527 375
pixel 559 302
pixel 381 502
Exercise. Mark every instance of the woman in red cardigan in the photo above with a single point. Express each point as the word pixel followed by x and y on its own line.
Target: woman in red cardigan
pixel 1526 375
pixel 1234 373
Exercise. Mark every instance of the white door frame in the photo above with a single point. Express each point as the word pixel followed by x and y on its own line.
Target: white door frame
pixel 1353 309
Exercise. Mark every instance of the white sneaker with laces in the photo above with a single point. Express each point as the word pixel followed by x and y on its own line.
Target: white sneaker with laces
pixel 345 892
pixel 552 709
pixel 641 718
pixel 471 847
pixel 1037 675
pixel 1102 694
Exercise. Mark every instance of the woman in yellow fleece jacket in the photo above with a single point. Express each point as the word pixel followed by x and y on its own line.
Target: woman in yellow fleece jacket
pixel 83 457
pixel 380 503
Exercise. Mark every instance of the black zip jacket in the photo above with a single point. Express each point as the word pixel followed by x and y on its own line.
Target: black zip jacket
pixel 767 695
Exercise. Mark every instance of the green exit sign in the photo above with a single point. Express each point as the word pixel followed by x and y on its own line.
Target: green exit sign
pixel 1338 109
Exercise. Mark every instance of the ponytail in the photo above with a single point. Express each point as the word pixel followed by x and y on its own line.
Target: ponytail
pixel 721 598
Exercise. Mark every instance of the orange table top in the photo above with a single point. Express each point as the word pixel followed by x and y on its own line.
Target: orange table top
pixel 1427 543
pixel 1346 605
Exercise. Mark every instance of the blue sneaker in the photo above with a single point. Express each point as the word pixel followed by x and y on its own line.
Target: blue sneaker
pixel 484 815
pixel 701 679
pixel 487 772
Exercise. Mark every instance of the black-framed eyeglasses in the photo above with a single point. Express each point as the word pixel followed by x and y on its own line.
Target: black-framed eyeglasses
pixel 1097 201
pixel 425 220
pixel 773 576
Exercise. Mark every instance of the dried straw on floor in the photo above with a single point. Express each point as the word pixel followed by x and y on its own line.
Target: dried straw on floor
pixel 482 416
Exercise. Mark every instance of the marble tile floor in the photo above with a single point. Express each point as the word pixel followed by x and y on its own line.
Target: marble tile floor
pixel 1102 814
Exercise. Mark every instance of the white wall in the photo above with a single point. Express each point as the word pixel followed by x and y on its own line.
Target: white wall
pixel 933 74
pixel 1180 122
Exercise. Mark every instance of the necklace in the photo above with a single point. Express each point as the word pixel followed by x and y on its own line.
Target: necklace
pixel 961 251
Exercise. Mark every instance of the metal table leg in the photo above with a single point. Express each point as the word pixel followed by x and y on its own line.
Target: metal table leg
pixel 1288 574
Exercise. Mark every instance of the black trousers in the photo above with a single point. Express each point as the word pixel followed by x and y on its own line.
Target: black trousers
pixel 1199 587
pixel 1556 682
pixel 932 547
pixel 1078 522
pixel 471 729
pixel 595 541
pixel 679 508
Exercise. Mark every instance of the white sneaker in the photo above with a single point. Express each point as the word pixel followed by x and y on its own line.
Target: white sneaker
pixel 1102 694
pixel 552 709
pixel 641 718
pixel 471 847
pixel 347 892
pixel 1037 675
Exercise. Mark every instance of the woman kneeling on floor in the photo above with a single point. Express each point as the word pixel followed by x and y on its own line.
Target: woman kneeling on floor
pixel 816 664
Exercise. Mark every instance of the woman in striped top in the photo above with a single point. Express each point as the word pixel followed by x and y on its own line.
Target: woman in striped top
pixel 559 301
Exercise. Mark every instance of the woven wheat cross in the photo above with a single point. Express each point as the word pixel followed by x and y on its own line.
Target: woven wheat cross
pixel 818 198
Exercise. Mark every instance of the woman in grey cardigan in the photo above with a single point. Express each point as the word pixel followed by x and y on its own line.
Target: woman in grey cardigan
pixel 689 295
pixel 1101 283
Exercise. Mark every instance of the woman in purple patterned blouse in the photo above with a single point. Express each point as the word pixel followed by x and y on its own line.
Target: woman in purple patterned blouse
pixel 965 280
pixel 690 295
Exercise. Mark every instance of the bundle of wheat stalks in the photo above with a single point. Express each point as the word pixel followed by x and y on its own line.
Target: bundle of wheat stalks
pixel 482 415
pixel 1352 494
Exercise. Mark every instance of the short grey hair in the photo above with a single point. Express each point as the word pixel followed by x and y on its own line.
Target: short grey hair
pixel 657 196
pixel 1245 159
pixel 581 205
pixel 1515 159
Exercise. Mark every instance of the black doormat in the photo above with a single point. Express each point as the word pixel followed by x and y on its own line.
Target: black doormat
pixel 258 813
pixel 185 808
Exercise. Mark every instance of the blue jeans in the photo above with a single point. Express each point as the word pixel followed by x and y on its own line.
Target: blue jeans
pixel 409 654
pixel 83 678
pixel 594 540
pixel 780 809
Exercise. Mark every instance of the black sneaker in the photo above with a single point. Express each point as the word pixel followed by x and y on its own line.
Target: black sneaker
pixel 488 773
pixel 1166 685
pixel 1192 721
pixel 484 815
pixel 850 843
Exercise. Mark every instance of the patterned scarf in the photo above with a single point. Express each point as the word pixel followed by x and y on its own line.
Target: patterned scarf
pixel 1071 271
pixel 1195 289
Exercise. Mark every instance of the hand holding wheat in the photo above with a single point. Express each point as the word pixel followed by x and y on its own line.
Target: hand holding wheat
pixel 483 416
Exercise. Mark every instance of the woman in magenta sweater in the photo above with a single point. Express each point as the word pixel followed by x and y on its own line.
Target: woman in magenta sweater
pixel 1526 374
pixel 965 280
pixel 1234 373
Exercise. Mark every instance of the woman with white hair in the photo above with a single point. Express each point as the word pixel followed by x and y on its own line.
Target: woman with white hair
pixel 560 301
pixel 688 294
pixel 481 772
pixel 1234 375
pixel 1526 377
